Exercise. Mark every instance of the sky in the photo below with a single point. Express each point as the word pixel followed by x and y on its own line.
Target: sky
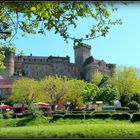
pixel 121 46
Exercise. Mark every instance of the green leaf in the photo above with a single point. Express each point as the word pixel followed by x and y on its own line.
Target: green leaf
pixel 33 8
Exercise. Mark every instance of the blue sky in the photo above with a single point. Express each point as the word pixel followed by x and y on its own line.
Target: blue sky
pixel 121 46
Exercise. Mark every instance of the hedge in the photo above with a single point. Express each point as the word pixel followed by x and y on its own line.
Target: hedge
pixel 135 117
pixel 73 116
pixel 56 117
pixel 115 116
pixel 77 116
pixel 133 106
pixel 122 116
pixel 101 115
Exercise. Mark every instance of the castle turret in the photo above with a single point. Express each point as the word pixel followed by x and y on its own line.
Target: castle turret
pixel 82 52
pixel 8 62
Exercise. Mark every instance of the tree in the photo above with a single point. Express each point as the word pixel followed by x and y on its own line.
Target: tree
pixel 97 78
pixel 74 93
pixel 39 17
pixel 107 94
pixel 90 92
pixel 54 88
pixel 32 17
pixel 26 91
pixel 2 57
pixel 127 81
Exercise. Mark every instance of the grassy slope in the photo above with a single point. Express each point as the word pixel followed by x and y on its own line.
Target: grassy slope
pixel 74 131
pixel 92 128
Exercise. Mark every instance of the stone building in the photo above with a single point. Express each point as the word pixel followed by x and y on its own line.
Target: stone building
pixel 41 66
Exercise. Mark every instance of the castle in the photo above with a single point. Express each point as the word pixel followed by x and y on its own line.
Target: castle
pixel 40 66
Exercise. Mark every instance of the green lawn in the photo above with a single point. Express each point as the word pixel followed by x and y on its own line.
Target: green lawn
pixel 92 128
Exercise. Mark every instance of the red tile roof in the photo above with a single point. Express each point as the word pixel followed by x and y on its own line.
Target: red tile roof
pixel 6 83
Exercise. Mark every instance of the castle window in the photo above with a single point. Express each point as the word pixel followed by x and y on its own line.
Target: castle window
pixel 1 92
pixel 37 74
pixel 25 66
pixel 27 73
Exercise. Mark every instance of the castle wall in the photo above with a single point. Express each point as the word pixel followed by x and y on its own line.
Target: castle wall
pixel 39 67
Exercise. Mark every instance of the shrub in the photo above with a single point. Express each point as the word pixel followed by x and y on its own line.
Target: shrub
pixel 126 116
pixel 134 106
pixel 57 116
pixel 1 116
pixel 69 116
pixel 135 117
pixel 88 116
pixel 100 115
pixel 122 109
pixel 136 97
pixel 34 110
pixel 8 115
pixel 74 116
pixel 122 116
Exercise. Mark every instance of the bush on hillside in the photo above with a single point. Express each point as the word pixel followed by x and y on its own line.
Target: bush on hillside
pixel 34 111
pixel 116 116
pixel 74 116
pixel 101 115
pixel 1 116
pixel 56 117
pixel 8 115
pixel 133 106
pixel 136 97
pixel 122 116
pixel 135 117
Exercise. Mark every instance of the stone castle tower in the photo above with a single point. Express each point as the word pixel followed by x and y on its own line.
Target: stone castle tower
pixel 88 65
pixel 81 53
pixel 9 63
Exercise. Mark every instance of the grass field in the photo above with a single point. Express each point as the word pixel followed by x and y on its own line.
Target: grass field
pixel 92 128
